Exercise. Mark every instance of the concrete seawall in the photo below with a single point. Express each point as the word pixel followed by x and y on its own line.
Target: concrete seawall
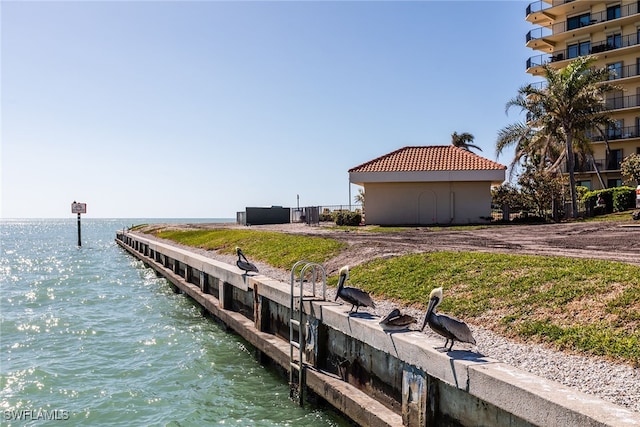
pixel 373 377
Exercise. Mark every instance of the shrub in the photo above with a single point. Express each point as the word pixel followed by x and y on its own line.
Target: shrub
pixel 624 198
pixel 630 169
pixel 347 218
pixel 617 199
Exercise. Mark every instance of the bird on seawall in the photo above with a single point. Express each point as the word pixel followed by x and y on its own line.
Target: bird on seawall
pixel 396 321
pixel 447 326
pixel 354 296
pixel 243 263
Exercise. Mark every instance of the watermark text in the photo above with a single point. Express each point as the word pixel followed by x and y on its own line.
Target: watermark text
pixel 35 415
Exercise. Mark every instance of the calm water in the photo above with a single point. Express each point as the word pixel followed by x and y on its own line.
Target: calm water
pixel 91 337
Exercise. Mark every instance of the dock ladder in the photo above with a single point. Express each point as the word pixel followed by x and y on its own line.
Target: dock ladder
pixel 314 271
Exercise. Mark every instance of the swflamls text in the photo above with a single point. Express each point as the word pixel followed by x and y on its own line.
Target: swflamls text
pixel 35 414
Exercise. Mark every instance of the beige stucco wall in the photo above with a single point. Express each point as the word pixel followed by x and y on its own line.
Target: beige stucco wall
pixel 414 203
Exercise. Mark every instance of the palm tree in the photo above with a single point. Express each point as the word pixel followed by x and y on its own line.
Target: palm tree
pixel 463 141
pixel 559 116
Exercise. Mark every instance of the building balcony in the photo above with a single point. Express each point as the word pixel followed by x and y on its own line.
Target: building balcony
pixel 589 19
pixel 539 33
pixel 550 32
pixel 582 50
pixel 625 72
pixel 617 73
pixel 620 102
pixel 589 166
pixel 625 132
pixel 543 12
pixel 537 6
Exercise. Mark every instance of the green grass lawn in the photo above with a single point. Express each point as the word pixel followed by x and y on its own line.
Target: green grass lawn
pixel 587 306
pixel 584 306
pixel 277 249
pixel 625 216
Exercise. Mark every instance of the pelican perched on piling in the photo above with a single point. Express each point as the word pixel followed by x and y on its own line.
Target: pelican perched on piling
pixel 243 263
pixel 354 296
pixel 449 327
pixel 396 321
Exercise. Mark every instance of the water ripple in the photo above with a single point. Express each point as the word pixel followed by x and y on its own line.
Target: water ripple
pixel 91 332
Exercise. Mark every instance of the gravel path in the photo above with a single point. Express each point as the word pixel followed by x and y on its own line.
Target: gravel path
pixel 613 382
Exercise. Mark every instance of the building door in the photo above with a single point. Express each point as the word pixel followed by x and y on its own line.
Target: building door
pixel 427 208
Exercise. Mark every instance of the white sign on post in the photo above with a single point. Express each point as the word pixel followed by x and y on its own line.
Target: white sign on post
pixel 78 208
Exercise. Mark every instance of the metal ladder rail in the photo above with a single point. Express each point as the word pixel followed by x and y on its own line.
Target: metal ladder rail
pixel 295 323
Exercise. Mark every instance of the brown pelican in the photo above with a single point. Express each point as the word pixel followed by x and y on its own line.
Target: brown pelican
pixel 243 263
pixel 449 327
pixel 396 321
pixel 354 296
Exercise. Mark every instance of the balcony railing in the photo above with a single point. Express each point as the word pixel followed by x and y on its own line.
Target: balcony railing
pixel 624 72
pixel 618 73
pixel 602 46
pixel 624 132
pixel 595 18
pixel 538 33
pixel 590 165
pixel 538 6
pixel 618 102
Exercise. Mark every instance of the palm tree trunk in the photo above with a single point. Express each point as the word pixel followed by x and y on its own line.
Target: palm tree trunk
pixel 572 175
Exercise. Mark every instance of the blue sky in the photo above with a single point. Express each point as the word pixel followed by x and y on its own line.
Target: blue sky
pixel 201 108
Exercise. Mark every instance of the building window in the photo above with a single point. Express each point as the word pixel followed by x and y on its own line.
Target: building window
pixel 613 12
pixel 615 130
pixel 615 100
pixel 578 21
pixel 614 41
pixel 614 183
pixel 615 70
pixel 614 160
pixel 584 184
pixel 579 49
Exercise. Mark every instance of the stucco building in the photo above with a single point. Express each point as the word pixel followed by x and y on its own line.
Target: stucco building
pixel 610 30
pixel 427 185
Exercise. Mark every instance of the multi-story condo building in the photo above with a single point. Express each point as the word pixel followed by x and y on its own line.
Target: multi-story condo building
pixel 610 30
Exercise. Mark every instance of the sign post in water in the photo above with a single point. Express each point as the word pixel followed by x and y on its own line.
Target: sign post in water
pixel 78 208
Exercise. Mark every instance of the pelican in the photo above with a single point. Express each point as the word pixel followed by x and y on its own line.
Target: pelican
pixel 449 327
pixel 354 296
pixel 243 263
pixel 396 321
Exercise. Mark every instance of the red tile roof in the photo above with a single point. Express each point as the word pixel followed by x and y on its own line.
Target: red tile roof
pixel 428 158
